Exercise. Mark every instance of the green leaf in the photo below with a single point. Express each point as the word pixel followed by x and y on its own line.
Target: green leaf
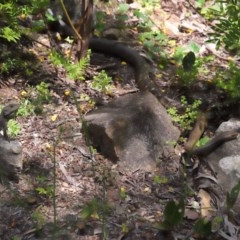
pixel 194 47
pixel 9 34
pixel 232 196
pixel 188 61
pixel 203 228
pixel 174 213
pixel 123 8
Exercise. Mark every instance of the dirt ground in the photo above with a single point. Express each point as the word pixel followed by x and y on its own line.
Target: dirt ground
pixel 124 204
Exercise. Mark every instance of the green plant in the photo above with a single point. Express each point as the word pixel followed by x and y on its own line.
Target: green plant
pixel 44 188
pixel 160 180
pixel 122 12
pixel 202 141
pixel 151 38
pixel 18 62
pixel 38 217
pixel 74 71
pixel 47 191
pixel 229 80
pixel 173 215
pixel 100 22
pixel 26 108
pixel 13 128
pixel 203 228
pixel 102 82
pixel 232 196
pixel 154 42
pixel 97 209
pixel 227 29
pixel 188 117
pixel 11 12
pixel 43 93
pixel 190 67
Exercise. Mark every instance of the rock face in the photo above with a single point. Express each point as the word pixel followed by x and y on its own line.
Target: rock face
pixel 225 160
pixel 10 158
pixel 134 130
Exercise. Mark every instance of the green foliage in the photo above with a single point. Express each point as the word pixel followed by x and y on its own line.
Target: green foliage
pixel 181 51
pixel 203 228
pixel 227 29
pixel 14 62
pixel 200 3
pixel 160 180
pixel 232 196
pixel 149 3
pixel 48 191
pixel 185 119
pixel 43 93
pixel 13 128
pixel 100 22
pixel 34 98
pixel 102 82
pixel 26 108
pixel 229 80
pixel 44 188
pixel 144 21
pixel 10 35
pixel 95 208
pixel 198 68
pixel 173 214
pixel 74 71
pixel 154 41
pixel 202 141
pixel 11 12
pixel 123 9
pixel 151 39
pixel 122 15
pixel 38 217
pixel 125 228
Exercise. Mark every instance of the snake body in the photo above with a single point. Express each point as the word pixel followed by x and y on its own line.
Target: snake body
pixel 131 56
pixel 146 83
pixel 217 141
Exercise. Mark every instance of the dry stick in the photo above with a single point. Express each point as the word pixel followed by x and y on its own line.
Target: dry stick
pixel 69 20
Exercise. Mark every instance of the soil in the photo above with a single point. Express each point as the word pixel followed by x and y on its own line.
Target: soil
pixel 119 204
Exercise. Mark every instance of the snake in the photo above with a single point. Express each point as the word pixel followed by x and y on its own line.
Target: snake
pixel 146 82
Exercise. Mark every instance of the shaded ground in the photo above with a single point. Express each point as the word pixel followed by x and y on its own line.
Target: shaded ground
pixel 27 210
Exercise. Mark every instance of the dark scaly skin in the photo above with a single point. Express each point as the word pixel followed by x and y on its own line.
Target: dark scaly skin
pixel 214 143
pixel 131 56
pixel 8 112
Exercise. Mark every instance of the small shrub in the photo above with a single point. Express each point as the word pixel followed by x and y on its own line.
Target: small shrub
pixel 185 119
pixel 102 82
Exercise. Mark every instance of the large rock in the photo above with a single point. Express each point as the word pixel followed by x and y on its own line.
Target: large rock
pixel 134 130
pixel 225 160
pixel 11 161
